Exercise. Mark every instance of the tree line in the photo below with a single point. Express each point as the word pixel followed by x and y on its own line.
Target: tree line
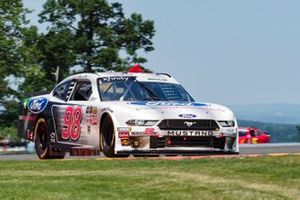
pixel 81 36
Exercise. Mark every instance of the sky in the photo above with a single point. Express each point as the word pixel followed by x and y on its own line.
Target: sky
pixel 230 52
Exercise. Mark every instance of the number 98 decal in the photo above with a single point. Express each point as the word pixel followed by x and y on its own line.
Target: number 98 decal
pixel 72 120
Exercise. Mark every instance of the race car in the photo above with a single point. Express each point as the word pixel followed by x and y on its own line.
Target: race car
pixel 251 135
pixel 120 114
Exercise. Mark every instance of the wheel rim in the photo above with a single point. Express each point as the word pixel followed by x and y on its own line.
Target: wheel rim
pixel 41 140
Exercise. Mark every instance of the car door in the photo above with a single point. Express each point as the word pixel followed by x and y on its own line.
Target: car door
pixel 85 111
pixel 71 111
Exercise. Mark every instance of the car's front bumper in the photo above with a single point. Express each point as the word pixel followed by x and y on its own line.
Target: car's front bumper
pixel 223 140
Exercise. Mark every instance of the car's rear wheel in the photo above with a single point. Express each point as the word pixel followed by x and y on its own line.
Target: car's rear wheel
pixel 41 141
pixel 107 138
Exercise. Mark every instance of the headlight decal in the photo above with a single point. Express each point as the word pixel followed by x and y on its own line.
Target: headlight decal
pixel 141 122
pixel 229 123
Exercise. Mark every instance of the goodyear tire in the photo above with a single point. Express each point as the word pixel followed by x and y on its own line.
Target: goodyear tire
pixel 107 138
pixel 41 141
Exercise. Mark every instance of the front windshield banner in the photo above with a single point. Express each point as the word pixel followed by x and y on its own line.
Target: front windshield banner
pixel 126 88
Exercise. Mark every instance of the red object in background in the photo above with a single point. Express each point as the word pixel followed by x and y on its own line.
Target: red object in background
pixel 250 135
pixel 136 69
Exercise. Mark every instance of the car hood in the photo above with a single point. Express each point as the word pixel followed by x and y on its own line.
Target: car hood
pixel 169 110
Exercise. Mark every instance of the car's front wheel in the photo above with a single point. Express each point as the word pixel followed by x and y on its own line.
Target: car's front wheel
pixel 107 138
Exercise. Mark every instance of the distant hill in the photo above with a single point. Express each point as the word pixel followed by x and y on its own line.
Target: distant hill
pixel 272 113
pixel 279 132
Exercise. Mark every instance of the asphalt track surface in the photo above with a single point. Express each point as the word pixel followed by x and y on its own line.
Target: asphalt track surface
pixel 245 151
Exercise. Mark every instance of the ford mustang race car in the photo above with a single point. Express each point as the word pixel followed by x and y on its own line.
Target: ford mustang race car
pixel 124 113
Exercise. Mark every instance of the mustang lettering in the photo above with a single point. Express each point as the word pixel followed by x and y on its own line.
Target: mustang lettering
pixel 190 133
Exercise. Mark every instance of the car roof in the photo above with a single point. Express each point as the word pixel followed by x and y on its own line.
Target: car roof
pixel 150 77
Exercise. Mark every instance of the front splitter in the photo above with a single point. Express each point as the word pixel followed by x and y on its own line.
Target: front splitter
pixel 177 152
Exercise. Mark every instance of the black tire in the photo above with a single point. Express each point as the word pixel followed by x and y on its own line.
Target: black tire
pixel 41 141
pixel 107 138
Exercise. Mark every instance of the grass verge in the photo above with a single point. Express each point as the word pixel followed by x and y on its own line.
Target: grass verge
pixel 226 178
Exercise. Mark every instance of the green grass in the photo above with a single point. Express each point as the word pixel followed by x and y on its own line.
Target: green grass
pixel 228 178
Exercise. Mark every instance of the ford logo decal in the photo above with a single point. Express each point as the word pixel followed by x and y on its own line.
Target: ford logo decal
pixel 187 116
pixel 37 105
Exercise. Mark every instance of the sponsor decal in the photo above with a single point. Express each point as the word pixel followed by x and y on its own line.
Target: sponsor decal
pixel 27 118
pixel 107 109
pixel 94 116
pixel 149 131
pixel 190 133
pixel 29 134
pixel 115 78
pixel 137 133
pixel 187 116
pixel 94 110
pixel 88 118
pixel 125 142
pixel 159 103
pixel 89 110
pixel 37 105
pixel 157 79
pixel 91 116
pixel 123 132
pixel 53 137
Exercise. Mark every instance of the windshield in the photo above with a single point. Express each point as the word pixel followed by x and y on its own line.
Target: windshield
pixel 242 133
pixel 129 89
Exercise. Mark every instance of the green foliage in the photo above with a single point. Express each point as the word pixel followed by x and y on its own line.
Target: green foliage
pixel 9 133
pixel 12 22
pixel 12 17
pixel 34 76
pixel 9 116
pixel 93 34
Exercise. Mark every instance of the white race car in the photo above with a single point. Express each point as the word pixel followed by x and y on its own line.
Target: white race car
pixel 125 113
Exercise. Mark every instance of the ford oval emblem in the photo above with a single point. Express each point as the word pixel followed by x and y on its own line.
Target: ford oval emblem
pixel 187 116
pixel 37 105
